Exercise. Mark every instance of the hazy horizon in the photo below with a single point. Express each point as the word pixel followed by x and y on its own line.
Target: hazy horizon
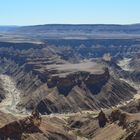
pixel 69 24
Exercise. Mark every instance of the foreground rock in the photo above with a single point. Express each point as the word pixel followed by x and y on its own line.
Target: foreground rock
pixel 32 128
pixel 121 126
pixel 76 126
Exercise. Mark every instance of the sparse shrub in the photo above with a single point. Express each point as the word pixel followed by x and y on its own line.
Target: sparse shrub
pixel 115 115
pixel 78 133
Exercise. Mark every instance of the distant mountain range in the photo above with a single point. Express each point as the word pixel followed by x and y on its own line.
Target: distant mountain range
pixel 76 31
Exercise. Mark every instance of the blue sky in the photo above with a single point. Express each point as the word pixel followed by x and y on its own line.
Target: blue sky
pixel 31 12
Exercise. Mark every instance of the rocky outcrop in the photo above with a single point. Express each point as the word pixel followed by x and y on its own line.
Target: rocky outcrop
pixel 95 82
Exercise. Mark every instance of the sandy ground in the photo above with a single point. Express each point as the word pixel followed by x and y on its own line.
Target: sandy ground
pixel 8 105
pixel 124 64
pixel 109 133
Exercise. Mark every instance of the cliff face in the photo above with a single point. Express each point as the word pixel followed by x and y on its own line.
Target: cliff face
pixel 94 82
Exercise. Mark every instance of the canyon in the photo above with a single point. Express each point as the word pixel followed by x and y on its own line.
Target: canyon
pixel 65 70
